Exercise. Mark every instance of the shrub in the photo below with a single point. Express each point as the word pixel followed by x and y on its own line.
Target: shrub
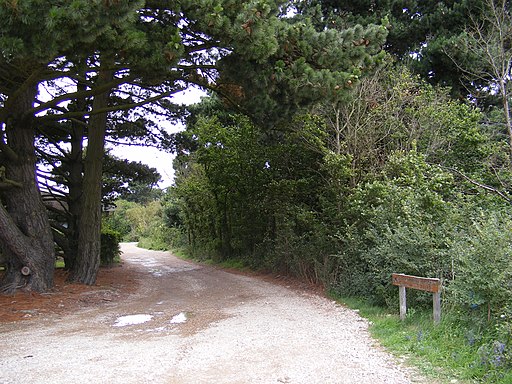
pixel 109 246
pixel 398 224
pixel 482 254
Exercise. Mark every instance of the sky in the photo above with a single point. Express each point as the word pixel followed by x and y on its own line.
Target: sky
pixel 160 160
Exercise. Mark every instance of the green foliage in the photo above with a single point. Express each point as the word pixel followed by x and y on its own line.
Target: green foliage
pixel 42 31
pixel 245 192
pixel 396 225
pixel 482 257
pixel 295 65
pixel 146 224
pixel 129 180
pixel 410 24
pixel 451 350
pixel 119 220
pixel 395 110
pixel 109 246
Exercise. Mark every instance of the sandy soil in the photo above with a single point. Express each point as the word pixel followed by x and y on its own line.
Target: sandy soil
pixel 159 319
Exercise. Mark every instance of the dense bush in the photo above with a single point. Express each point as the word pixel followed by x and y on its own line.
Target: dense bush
pixel 399 224
pixel 482 257
pixel 109 246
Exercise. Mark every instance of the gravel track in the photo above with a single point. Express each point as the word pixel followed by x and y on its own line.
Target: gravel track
pixel 189 323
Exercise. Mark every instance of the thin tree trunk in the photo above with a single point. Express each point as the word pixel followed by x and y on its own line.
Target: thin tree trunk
pixel 25 233
pixel 89 238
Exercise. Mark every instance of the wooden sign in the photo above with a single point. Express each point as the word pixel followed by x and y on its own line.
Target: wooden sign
pixel 422 284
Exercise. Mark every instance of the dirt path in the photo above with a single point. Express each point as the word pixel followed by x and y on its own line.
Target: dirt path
pixel 187 323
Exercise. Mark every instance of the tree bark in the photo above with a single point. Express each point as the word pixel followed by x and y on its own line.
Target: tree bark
pixel 87 263
pixel 25 234
pixel 75 181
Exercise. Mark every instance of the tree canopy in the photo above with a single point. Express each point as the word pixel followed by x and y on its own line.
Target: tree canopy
pixel 91 60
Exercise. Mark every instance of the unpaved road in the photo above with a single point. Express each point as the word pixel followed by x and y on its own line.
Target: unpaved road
pixel 197 324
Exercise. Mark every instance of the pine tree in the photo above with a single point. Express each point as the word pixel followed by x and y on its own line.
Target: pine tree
pixel 419 30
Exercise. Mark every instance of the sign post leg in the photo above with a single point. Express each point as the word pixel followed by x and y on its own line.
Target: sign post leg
pixel 403 302
pixel 437 307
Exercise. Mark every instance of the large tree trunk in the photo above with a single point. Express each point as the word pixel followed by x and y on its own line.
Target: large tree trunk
pixel 75 184
pixel 87 263
pixel 25 234
pixel 75 181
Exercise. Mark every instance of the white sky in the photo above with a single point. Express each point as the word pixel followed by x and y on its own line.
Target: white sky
pixel 160 160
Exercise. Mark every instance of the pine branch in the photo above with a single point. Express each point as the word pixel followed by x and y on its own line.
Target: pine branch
pixel 75 95
pixel 114 108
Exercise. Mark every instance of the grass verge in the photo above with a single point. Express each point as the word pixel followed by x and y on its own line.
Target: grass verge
pixel 226 264
pixel 450 352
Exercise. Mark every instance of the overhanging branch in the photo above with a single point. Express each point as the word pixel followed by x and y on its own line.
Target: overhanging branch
pixel 112 108
pixel 75 95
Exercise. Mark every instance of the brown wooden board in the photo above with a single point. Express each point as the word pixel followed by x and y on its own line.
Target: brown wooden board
pixel 421 283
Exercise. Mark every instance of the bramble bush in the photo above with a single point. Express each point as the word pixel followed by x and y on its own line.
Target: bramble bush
pixel 414 221
pixel 480 293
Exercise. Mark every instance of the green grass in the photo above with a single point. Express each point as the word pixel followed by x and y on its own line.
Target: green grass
pixel 445 352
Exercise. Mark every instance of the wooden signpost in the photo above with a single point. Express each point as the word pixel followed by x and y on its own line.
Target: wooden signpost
pixel 421 283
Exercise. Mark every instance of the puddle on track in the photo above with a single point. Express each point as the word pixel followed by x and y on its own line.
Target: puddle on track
pixel 123 321
pixel 180 318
